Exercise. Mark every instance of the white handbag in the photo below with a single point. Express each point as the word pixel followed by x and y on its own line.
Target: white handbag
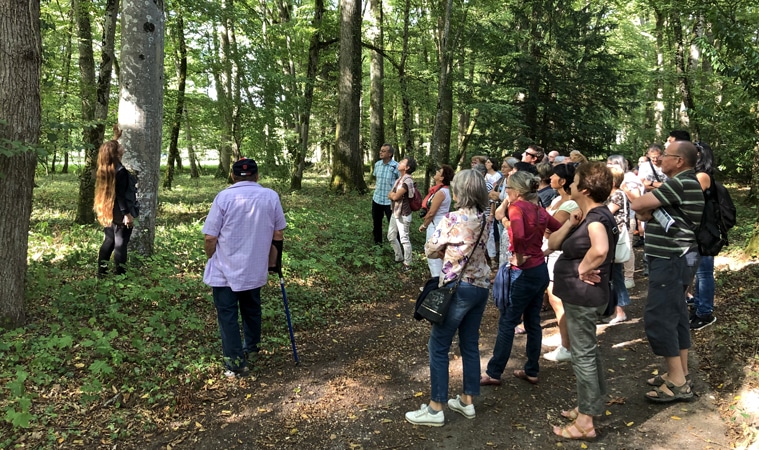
pixel 623 252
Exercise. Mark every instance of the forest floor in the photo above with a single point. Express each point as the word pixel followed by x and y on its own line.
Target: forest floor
pixel 357 378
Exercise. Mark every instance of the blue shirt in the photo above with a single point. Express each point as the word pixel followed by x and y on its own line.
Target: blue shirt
pixel 243 218
pixel 386 175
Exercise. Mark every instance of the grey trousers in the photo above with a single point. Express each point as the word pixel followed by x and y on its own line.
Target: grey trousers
pixel 586 357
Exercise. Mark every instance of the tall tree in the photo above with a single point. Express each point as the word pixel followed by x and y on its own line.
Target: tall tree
pixel 178 110
pixel 95 94
pixel 441 134
pixel 314 48
pixel 347 164
pixel 20 115
pixel 377 80
pixel 141 108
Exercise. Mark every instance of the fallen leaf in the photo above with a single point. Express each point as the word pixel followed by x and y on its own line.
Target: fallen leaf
pixel 608 413
pixel 629 424
pixel 418 394
pixel 386 420
pixel 294 431
pixel 675 418
pixel 582 445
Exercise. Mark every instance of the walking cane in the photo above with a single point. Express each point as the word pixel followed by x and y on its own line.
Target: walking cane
pixel 287 314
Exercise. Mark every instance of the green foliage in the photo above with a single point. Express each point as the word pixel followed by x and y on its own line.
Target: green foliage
pixel 138 340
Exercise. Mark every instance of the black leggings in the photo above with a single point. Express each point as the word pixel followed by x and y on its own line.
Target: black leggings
pixel 116 241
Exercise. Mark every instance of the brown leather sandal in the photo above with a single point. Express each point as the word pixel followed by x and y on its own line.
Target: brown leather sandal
pixel 566 433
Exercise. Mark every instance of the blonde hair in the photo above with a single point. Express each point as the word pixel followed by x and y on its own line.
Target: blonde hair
pixel 618 175
pixel 576 156
pixel 105 182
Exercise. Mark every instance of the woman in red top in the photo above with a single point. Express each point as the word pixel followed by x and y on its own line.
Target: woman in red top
pixel 528 277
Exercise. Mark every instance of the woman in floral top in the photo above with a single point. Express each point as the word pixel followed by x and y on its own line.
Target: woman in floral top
pixel 454 239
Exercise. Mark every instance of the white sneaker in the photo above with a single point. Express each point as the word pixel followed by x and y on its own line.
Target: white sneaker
pixel 617 319
pixel 560 354
pixel 423 416
pixel 629 283
pixel 465 410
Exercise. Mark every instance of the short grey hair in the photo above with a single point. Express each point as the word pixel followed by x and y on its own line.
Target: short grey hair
pixel 469 188
pixel 618 160
pixel 511 161
pixel 526 184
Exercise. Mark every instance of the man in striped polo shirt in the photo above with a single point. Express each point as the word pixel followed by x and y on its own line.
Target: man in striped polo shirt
pixel 672 211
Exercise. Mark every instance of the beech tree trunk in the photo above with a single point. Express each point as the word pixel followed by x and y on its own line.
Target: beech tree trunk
pixel 347 164
pixel 20 47
pixel 296 179
pixel 141 109
pixel 176 125
pixel 95 93
pixel 377 93
pixel 441 134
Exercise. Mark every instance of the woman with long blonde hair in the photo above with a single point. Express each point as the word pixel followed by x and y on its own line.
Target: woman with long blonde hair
pixel 111 207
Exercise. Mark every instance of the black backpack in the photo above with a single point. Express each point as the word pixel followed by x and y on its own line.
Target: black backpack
pixel 717 219
pixel 133 205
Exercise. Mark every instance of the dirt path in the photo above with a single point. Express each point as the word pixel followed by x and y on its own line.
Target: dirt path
pixel 357 378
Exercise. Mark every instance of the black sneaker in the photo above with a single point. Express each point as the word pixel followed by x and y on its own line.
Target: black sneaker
pixel 699 323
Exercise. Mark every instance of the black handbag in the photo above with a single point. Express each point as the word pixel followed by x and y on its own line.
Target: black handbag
pixel 434 305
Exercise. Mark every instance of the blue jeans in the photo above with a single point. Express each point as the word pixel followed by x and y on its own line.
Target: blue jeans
pixel 525 298
pixel 464 315
pixel 618 284
pixel 227 303
pixel 703 290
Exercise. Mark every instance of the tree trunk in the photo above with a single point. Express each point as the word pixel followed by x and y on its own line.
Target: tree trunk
pixel 347 164
pixel 84 212
pixel 299 165
pixel 95 97
pixel 659 103
pixel 408 140
pixel 377 75
pixel 176 125
pixel 441 134
pixel 683 84
pixel 141 109
pixel 194 172
pixel 20 107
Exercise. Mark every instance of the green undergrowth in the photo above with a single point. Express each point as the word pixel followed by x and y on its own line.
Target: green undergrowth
pixel 128 345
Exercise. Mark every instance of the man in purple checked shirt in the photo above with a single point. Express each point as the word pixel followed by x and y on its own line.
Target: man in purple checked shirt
pixel 245 221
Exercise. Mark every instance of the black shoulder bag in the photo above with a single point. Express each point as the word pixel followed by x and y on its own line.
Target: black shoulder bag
pixel 434 306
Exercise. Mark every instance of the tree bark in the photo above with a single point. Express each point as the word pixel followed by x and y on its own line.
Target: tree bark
pixel 95 97
pixel 194 172
pixel 659 103
pixel 347 164
pixel 683 83
pixel 296 180
pixel 21 51
pixel 176 124
pixel 141 109
pixel 408 138
pixel 377 91
pixel 441 134
pixel 84 212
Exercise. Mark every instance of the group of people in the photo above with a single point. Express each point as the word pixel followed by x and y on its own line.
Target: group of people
pixel 559 221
